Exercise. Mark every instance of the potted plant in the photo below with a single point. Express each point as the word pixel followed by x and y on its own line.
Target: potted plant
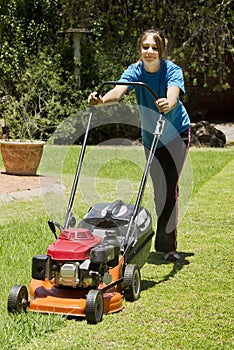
pixel 22 149
pixel 36 101
pixel 30 114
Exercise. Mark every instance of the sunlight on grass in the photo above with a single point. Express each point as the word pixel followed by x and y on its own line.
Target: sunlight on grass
pixel 187 305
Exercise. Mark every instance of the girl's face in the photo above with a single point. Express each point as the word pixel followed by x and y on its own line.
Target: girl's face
pixel 150 54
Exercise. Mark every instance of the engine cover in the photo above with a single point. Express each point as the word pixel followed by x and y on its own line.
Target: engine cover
pixel 73 245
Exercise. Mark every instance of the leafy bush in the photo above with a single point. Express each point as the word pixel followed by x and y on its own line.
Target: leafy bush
pixel 42 99
pixel 26 27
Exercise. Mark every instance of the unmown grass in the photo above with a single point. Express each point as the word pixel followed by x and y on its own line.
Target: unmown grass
pixel 186 305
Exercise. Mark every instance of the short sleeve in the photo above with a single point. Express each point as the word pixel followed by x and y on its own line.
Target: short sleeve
pixel 176 78
pixel 129 75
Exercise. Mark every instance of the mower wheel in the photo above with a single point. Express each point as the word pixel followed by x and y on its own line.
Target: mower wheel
pixel 94 306
pixel 17 299
pixel 132 282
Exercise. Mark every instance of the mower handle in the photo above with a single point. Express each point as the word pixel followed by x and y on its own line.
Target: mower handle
pixel 128 84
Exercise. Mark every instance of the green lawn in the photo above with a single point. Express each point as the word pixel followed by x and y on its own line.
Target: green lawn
pixel 187 305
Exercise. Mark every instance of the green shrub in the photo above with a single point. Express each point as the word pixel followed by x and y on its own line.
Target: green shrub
pixel 41 98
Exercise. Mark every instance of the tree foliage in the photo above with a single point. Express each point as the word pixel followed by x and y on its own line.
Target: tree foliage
pixel 206 50
pixel 199 33
pixel 40 101
pixel 26 27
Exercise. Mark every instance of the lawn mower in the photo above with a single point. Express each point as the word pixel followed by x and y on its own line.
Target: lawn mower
pixel 91 266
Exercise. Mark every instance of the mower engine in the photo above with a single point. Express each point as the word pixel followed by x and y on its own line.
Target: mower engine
pixel 78 259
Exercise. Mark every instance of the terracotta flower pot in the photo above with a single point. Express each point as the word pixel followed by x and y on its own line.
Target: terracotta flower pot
pixel 21 158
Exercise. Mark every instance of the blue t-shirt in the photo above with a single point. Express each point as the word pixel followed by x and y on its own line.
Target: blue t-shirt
pixel 177 120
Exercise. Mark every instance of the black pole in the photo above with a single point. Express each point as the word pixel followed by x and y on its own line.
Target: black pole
pixel 78 170
pixel 157 133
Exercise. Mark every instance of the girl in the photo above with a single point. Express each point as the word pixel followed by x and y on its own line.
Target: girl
pixel 166 79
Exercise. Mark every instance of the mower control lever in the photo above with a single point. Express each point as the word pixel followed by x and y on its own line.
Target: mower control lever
pixel 53 225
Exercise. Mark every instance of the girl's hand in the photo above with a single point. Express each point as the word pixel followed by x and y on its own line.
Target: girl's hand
pixel 93 99
pixel 163 105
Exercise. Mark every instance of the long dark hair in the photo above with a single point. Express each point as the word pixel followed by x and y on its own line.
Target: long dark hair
pixel 159 39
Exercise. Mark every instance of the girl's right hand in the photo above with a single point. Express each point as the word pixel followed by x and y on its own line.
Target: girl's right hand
pixel 94 99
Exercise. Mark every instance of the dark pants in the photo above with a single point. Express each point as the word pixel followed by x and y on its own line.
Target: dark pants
pixel 165 172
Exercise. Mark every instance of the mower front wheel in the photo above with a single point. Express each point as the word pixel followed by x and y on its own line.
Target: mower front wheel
pixel 17 299
pixel 94 306
pixel 132 282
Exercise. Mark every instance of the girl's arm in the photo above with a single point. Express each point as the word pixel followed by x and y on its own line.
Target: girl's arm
pixel 113 95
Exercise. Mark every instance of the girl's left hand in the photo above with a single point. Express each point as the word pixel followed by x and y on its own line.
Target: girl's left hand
pixel 163 105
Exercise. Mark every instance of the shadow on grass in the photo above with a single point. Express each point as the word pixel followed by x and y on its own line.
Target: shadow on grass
pixel 158 259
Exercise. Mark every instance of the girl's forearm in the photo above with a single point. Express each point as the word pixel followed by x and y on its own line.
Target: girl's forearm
pixel 115 94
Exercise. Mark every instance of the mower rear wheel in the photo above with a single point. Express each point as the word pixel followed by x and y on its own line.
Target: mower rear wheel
pixel 17 299
pixel 132 282
pixel 94 306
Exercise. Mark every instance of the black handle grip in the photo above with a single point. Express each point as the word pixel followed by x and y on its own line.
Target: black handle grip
pixel 127 84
